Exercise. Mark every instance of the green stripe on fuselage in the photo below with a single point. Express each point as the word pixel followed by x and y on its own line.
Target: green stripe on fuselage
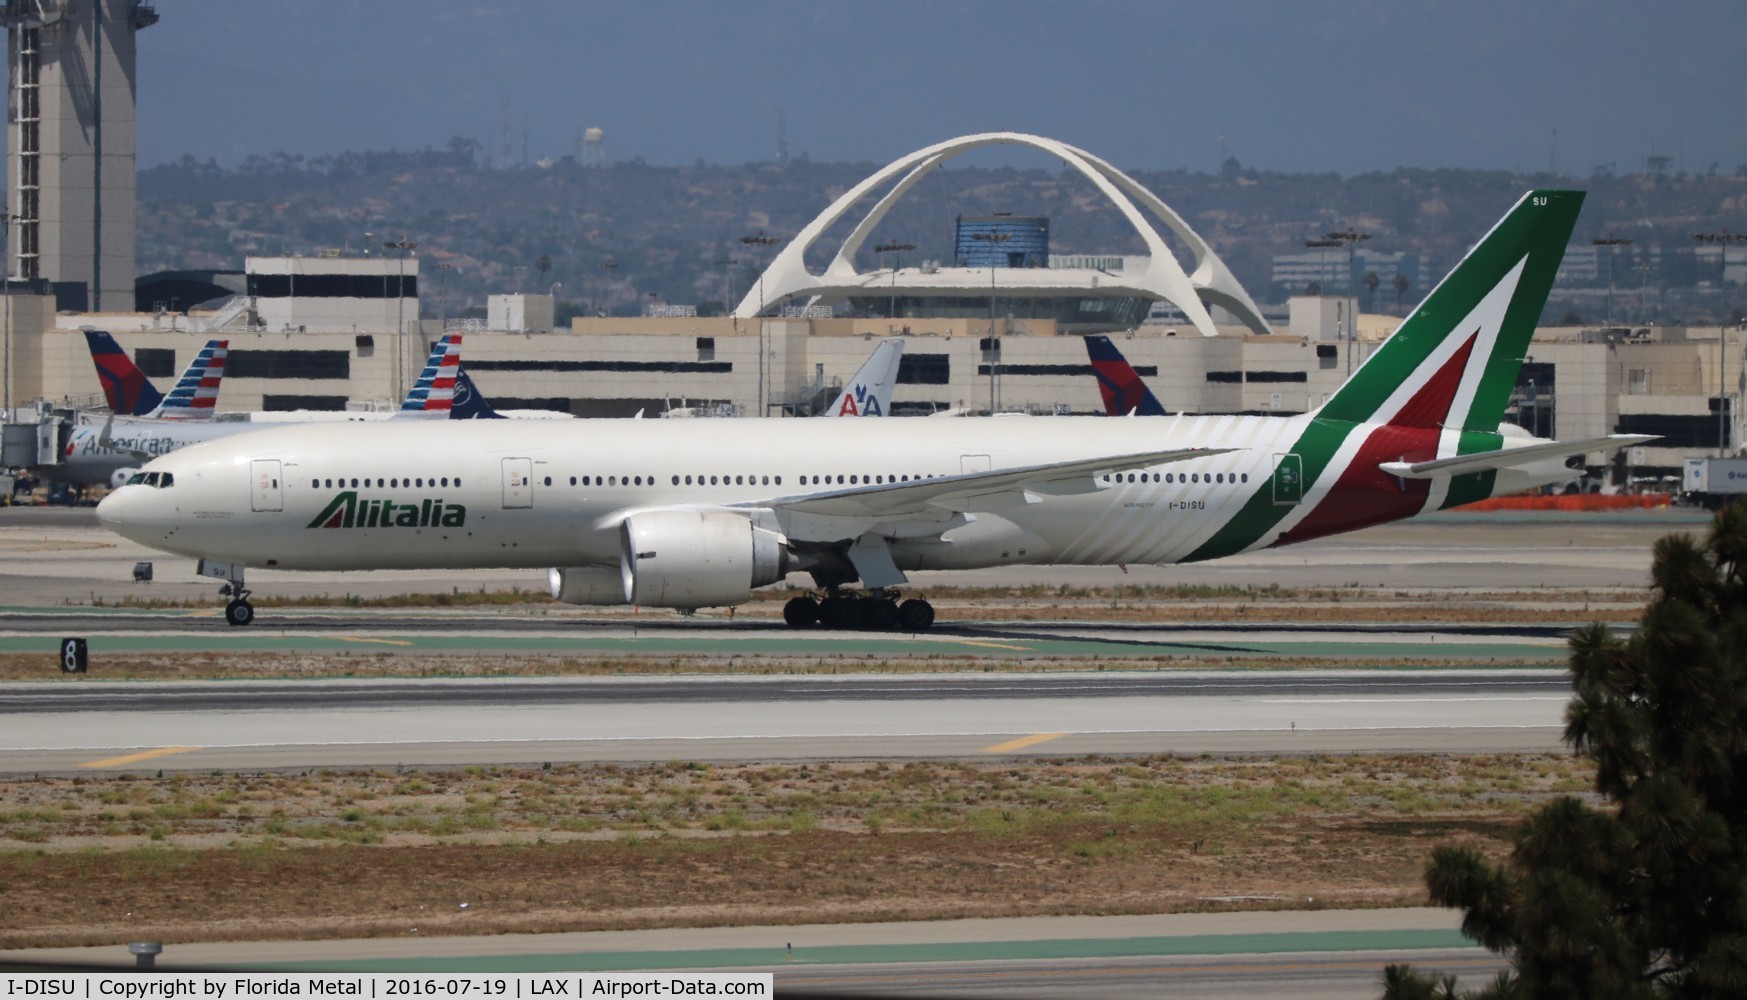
pixel 1537 228
pixel 1316 447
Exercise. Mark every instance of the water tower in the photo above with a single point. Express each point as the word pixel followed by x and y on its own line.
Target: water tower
pixel 70 146
pixel 594 148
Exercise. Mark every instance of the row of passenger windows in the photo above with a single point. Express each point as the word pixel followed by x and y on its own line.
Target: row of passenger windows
pixel 393 483
pixel 419 482
pixel 742 480
pixel 1175 477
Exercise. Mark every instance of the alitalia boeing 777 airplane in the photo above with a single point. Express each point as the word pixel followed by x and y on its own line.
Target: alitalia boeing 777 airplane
pixel 691 514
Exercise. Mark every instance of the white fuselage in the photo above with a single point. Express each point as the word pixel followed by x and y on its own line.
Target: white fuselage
pixel 501 494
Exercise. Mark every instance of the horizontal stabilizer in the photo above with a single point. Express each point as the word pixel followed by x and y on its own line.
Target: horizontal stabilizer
pixel 1509 457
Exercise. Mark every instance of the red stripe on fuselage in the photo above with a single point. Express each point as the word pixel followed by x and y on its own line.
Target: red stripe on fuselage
pixel 1366 495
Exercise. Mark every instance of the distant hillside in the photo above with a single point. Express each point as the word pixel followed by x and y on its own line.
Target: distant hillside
pixel 618 235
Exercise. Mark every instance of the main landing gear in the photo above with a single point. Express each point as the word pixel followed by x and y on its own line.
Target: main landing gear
pixel 872 610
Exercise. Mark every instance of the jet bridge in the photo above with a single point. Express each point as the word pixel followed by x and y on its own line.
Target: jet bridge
pixel 35 437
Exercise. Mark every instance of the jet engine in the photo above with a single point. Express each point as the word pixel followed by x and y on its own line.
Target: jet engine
pixel 586 584
pixel 119 477
pixel 697 559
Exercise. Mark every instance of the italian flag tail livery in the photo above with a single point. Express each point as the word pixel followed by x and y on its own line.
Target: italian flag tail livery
pixel 1436 389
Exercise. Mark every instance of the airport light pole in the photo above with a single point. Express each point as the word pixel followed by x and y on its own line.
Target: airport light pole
pixel 757 243
pixel 727 266
pixel 893 248
pixel 6 275
pixel 405 246
pixel 443 296
pixel 609 266
pixel 1349 238
pixel 1610 241
pixel 994 240
pixel 1722 239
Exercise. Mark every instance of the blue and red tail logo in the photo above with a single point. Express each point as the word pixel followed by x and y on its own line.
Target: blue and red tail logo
pixel 125 387
pixel 1120 385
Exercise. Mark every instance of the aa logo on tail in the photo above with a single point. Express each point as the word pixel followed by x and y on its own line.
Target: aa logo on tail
pixel 860 403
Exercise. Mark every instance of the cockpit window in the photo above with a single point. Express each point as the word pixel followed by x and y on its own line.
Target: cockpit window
pixel 156 480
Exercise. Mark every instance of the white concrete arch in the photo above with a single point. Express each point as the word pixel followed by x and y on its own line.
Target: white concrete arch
pixel 787 277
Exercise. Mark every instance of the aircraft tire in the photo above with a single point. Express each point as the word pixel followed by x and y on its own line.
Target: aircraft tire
pixel 840 612
pixel 915 615
pixel 880 615
pixel 801 612
pixel 239 613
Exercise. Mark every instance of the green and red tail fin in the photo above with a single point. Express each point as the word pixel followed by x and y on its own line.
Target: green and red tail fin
pixel 1436 388
pixel 1454 361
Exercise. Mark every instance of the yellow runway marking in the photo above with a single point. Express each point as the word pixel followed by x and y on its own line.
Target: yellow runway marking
pixel 991 645
pixel 135 758
pixel 1023 742
pixel 385 642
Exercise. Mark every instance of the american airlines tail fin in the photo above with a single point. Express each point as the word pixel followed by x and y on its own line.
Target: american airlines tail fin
pixel 433 393
pixel 126 388
pixel 1120 385
pixel 1451 365
pixel 195 394
pixel 869 393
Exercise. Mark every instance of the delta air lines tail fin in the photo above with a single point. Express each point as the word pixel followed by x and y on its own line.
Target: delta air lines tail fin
pixel 195 394
pixel 1120 385
pixel 126 388
pixel 869 393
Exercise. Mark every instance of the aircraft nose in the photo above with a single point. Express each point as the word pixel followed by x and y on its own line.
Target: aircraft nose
pixel 119 511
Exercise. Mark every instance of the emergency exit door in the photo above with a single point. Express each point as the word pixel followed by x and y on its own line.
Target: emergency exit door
pixel 1288 480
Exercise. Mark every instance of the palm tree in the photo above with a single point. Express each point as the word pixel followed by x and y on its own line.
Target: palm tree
pixel 1402 284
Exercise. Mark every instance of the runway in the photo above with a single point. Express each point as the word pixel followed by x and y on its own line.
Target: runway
pixel 58 727
pixel 1325 953
pixel 482 638
pixel 48 556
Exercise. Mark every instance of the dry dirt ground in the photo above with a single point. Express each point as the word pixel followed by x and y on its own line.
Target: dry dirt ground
pixel 100 859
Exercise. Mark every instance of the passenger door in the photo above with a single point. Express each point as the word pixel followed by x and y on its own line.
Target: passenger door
pixel 518 483
pixel 264 490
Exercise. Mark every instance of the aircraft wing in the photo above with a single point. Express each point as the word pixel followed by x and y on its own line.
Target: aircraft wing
pixel 1508 457
pixel 971 492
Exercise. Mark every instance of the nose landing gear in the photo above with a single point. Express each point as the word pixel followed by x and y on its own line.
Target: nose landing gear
pixel 238 611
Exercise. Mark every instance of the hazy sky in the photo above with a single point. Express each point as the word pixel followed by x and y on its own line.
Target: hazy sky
pixel 1345 86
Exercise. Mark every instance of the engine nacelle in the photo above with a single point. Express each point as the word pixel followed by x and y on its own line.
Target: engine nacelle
pixel 119 477
pixel 586 584
pixel 697 559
